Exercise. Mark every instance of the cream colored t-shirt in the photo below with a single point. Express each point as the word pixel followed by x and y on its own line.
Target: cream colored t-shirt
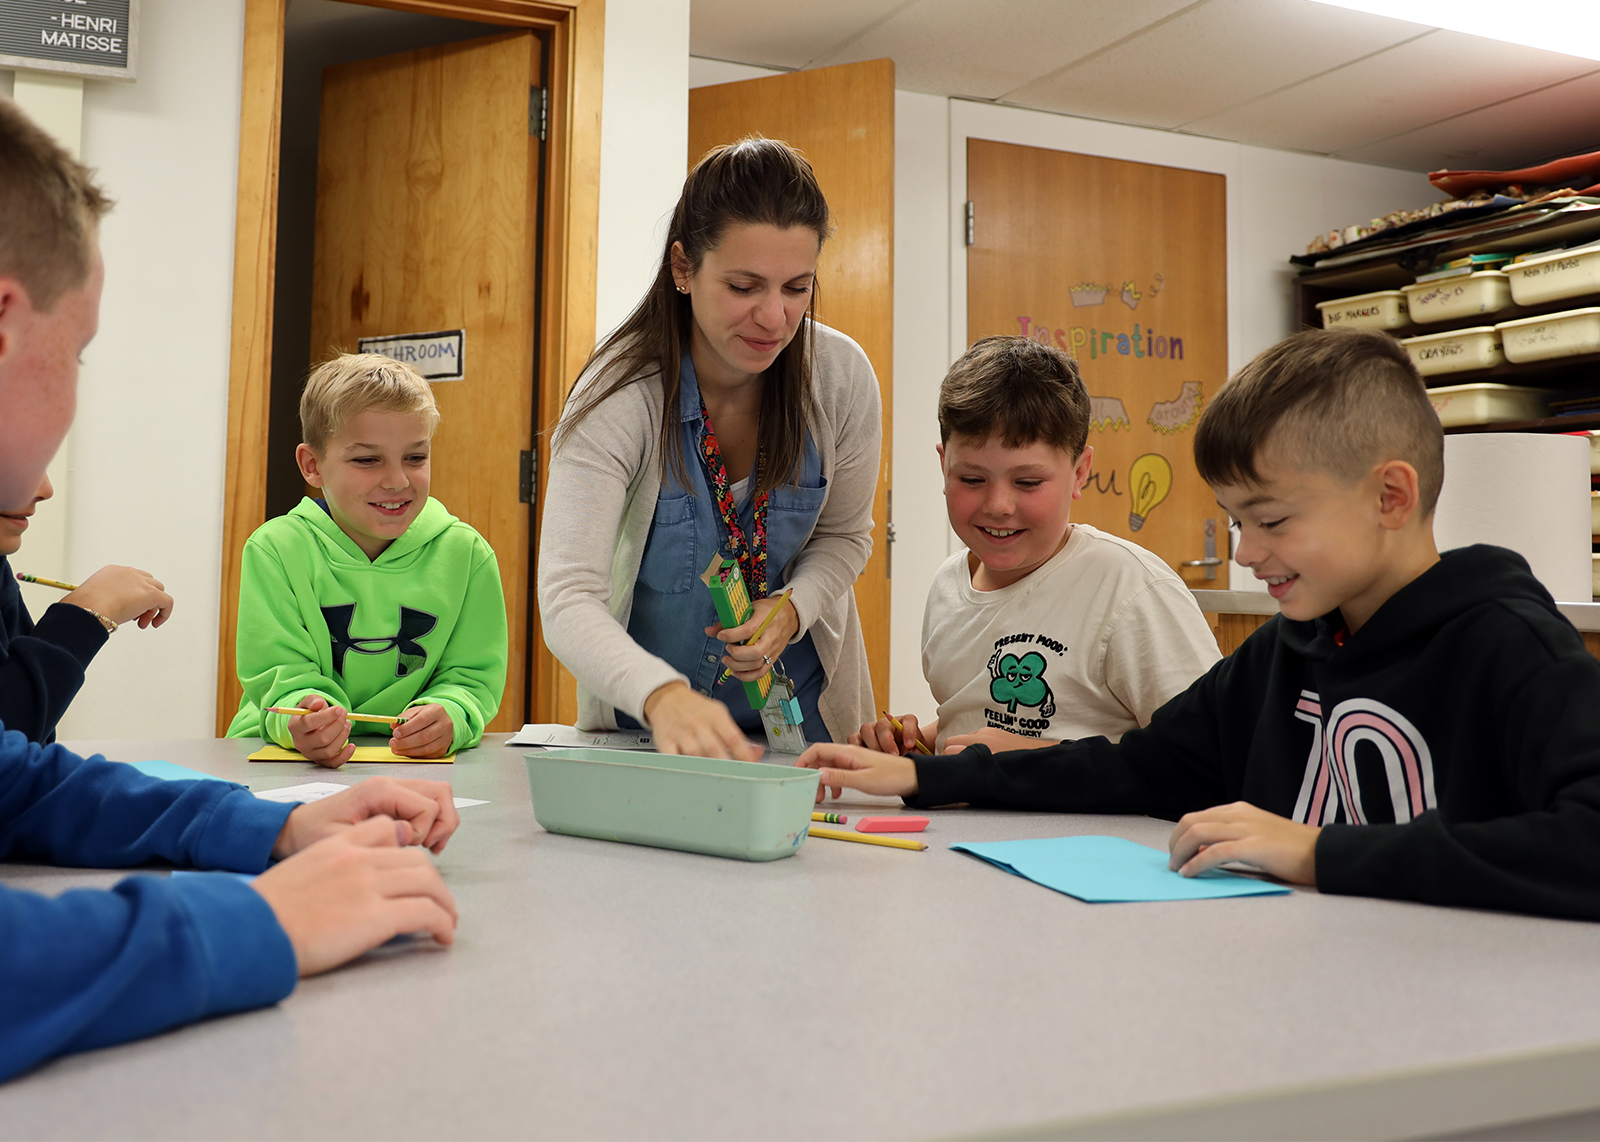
pixel 1093 642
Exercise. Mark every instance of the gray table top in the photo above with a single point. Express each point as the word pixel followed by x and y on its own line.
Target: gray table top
pixel 601 990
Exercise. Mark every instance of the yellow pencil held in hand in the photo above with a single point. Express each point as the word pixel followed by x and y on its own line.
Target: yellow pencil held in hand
pixel 760 630
pixel 381 719
pixel 916 746
pixel 24 577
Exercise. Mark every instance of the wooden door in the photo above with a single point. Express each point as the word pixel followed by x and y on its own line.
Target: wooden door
pixel 1123 265
pixel 842 119
pixel 427 192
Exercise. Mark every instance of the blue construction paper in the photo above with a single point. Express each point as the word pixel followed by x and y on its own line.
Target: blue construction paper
pixel 247 877
pixel 168 771
pixel 1103 870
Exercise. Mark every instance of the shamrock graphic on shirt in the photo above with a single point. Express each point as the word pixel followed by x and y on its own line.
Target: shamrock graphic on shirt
pixel 1020 682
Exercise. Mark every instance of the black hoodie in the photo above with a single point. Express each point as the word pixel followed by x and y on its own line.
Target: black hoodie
pixel 41 667
pixel 1450 747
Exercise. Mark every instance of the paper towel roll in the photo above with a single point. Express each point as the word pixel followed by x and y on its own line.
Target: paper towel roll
pixel 1528 491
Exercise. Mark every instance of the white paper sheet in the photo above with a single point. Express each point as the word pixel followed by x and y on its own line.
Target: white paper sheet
pixel 566 737
pixel 317 790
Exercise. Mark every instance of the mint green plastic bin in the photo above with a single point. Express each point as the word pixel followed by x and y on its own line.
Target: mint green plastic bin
pixel 740 809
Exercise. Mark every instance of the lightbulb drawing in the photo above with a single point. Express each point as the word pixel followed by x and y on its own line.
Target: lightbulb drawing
pixel 1149 481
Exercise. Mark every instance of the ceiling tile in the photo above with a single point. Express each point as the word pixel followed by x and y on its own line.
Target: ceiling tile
pixel 1213 57
pixel 1530 129
pixel 984 48
pixel 1434 77
pixel 777 33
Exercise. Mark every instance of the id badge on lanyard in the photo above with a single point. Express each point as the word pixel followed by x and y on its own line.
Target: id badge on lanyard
pixel 781 716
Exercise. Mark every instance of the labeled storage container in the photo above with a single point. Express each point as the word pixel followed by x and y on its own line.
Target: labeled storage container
pixel 1459 351
pixel 1566 334
pixel 1385 309
pixel 1482 292
pixel 1486 403
pixel 741 809
pixel 1556 275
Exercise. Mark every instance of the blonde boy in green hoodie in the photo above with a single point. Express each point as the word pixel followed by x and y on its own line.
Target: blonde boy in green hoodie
pixel 374 599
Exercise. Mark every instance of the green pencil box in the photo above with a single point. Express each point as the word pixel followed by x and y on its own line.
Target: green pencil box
pixel 734 608
pixel 741 809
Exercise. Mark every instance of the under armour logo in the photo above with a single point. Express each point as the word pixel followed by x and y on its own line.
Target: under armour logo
pixel 413 625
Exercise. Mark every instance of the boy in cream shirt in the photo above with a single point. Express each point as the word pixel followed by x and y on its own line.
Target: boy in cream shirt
pixel 1042 630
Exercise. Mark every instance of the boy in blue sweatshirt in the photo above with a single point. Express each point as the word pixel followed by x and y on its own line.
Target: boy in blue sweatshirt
pixel 91 968
pixel 1412 725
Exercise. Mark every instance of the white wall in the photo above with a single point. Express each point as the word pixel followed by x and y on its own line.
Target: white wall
pixel 644 147
pixel 150 438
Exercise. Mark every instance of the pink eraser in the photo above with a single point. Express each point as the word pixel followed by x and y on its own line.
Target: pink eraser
pixel 891 824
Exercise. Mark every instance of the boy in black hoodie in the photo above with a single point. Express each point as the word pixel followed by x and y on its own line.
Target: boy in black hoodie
pixel 1409 726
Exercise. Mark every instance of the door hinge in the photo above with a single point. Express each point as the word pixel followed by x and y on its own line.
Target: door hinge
pixel 888 535
pixel 538 111
pixel 528 477
pixel 971 225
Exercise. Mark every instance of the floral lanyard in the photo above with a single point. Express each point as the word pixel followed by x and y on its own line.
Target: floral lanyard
pixel 752 554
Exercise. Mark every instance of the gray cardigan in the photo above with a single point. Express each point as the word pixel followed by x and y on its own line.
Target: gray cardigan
pixel 601 500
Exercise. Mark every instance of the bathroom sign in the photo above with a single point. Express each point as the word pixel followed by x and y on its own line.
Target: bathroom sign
pixel 79 37
pixel 437 356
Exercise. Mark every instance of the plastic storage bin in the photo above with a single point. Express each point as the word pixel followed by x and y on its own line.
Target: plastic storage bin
pixel 1482 292
pixel 740 809
pixel 1460 351
pixel 1385 309
pixel 1565 334
pixel 1486 403
pixel 1551 277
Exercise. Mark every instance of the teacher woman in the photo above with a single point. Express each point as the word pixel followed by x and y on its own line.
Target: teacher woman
pixel 719 417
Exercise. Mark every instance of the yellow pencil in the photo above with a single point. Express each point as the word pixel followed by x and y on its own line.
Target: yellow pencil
pixel 43 582
pixel 831 818
pixel 864 838
pixel 296 711
pixel 916 746
pixel 760 630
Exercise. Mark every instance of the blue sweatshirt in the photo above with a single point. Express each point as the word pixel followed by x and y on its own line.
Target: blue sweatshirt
pixel 90 968
pixel 41 667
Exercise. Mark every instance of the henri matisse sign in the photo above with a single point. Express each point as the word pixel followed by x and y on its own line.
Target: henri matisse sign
pixel 96 38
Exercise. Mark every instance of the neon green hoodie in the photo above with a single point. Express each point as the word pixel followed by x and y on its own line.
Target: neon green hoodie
pixel 423 622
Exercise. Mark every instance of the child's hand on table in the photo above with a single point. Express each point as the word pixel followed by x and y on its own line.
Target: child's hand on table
pixel 998 741
pixel 1240 832
pixel 855 767
pixel 354 890
pixel 123 594
pixel 426 732
pixel 426 810
pixel 323 735
pixel 883 737
pixel 747 663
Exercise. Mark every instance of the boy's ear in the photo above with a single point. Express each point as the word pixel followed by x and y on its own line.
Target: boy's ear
pixel 1080 471
pixel 939 448
pixel 1398 494
pixel 310 465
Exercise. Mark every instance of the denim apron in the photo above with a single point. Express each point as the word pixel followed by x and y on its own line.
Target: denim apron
pixel 672 607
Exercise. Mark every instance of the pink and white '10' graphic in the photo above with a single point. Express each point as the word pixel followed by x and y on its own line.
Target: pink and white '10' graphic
pixel 1331 779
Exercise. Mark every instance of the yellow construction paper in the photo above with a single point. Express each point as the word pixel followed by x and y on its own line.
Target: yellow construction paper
pixel 363 753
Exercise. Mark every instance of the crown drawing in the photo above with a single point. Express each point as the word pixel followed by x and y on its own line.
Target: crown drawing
pixel 1088 293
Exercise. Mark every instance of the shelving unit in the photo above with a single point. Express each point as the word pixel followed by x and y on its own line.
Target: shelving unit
pixel 1399 267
